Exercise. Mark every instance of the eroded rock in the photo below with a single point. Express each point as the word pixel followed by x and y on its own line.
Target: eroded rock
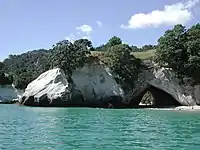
pixel 92 86
pixel 51 89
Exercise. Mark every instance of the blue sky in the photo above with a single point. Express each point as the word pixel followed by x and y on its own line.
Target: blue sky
pixel 32 24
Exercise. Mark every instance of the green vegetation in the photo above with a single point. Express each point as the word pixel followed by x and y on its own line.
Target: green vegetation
pixel 68 56
pixel 26 67
pixel 179 49
pixel 119 59
pixel 150 54
pixel 4 79
pixel 145 55
pixel 112 42
pixel 116 41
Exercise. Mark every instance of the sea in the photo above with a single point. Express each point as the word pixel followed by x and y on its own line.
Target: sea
pixel 33 128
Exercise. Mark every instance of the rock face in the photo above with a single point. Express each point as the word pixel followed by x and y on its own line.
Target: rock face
pixel 164 79
pixel 50 89
pixel 92 86
pixel 96 83
pixel 19 92
pixel 7 94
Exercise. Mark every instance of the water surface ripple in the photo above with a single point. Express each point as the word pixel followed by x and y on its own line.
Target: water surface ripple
pixel 88 129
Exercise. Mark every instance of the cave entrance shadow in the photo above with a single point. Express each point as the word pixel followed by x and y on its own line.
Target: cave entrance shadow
pixel 160 99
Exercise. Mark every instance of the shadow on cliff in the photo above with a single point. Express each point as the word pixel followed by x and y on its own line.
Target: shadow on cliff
pixel 160 99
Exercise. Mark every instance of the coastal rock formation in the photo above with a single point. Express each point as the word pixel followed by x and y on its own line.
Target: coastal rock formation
pixel 96 82
pixel 185 94
pixel 164 80
pixel 91 86
pixel 94 86
pixel 7 94
pixel 50 89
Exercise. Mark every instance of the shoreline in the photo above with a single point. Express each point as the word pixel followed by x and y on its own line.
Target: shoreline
pixel 179 108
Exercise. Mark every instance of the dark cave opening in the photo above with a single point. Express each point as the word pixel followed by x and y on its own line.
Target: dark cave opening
pixel 156 98
pixel 162 98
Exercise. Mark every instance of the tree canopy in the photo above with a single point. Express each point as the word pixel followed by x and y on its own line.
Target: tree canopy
pixel 26 67
pixel 124 65
pixel 111 42
pixel 1 65
pixel 179 49
pixel 68 56
pixel 117 41
pixel 4 79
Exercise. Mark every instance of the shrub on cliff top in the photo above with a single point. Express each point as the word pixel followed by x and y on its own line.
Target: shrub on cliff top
pixel 179 49
pixel 69 56
pixel 124 65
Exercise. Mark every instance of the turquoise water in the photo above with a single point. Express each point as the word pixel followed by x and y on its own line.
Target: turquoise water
pixel 87 129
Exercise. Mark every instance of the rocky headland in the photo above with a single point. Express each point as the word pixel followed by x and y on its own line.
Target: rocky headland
pixel 77 75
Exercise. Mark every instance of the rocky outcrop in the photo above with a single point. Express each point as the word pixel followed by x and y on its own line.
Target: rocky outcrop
pixel 91 86
pixel 185 94
pixel 51 89
pixel 94 86
pixel 96 83
pixel 19 92
pixel 7 94
pixel 164 79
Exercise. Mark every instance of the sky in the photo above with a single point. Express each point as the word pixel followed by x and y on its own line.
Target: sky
pixel 33 24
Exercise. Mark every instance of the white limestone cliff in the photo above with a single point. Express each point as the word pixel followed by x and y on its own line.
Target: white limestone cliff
pixel 48 87
pixel 91 84
pixel 165 80
pixel 96 82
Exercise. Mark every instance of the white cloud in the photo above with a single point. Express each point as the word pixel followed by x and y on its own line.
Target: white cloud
pixel 191 3
pixel 99 23
pixel 82 32
pixel 179 13
pixel 85 29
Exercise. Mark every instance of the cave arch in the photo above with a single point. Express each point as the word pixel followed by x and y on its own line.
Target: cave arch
pixel 160 98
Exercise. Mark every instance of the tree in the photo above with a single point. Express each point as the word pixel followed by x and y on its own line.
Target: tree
pixel 4 79
pixel 124 65
pixel 68 56
pixel 114 41
pixel 171 50
pixel 84 42
pixel 193 51
pixel 179 49
pixel 1 66
pixel 135 48
pixel 26 67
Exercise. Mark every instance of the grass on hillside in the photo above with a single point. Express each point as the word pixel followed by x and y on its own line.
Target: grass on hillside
pixel 145 55
pixel 142 55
